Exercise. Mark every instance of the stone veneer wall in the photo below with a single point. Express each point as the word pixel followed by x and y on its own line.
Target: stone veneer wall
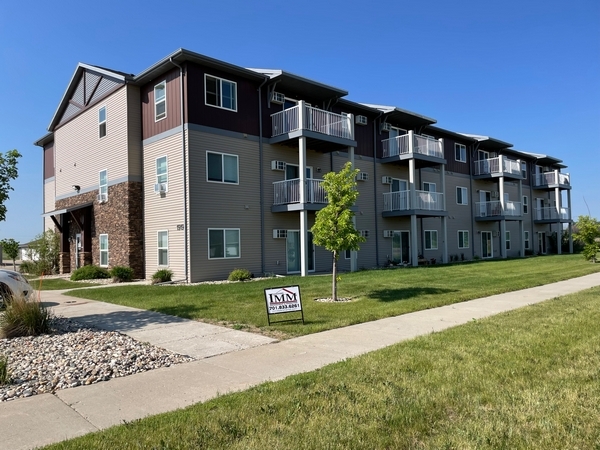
pixel 121 217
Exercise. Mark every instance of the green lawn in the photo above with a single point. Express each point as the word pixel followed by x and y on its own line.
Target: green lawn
pixel 53 284
pixel 376 293
pixel 527 379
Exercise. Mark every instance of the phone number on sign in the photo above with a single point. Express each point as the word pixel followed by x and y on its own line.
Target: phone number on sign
pixel 282 307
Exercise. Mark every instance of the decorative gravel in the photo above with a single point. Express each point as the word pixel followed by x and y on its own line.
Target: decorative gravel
pixel 330 300
pixel 74 355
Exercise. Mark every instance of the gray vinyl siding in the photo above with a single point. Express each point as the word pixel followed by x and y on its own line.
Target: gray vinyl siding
pixel 224 205
pixel 81 154
pixel 49 186
pixel 459 216
pixel 164 213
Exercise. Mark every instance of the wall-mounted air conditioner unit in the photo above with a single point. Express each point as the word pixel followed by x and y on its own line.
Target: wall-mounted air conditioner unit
pixel 388 233
pixel 386 127
pixel 495 234
pixel 386 180
pixel 364 233
pixel 277 97
pixel 102 198
pixel 493 155
pixel 160 188
pixel 362 176
pixel 495 194
pixel 277 165
pixel 360 120
pixel 279 234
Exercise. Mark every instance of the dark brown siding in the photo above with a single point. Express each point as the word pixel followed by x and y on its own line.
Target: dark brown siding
pixel 363 134
pixel 149 126
pixel 48 160
pixel 245 120
pixel 452 164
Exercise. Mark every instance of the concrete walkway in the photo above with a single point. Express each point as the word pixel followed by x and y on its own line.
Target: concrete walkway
pixel 47 418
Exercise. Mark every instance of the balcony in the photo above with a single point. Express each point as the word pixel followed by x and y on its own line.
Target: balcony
pixel 550 214
pixel 425 149
pixel 500 166
pixel 317 125
pixel 425 204
pixel 551 180
pixel 286 195
pixel 493 210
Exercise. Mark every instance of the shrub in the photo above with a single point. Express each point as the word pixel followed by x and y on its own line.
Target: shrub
pixel 162 276
pixel 89 273
pixel 239 275
pixel 4 373
pixel 27 267
pixel 121 274
pixel 23 318
pixel 43 252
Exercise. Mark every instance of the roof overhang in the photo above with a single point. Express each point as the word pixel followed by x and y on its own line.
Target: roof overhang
pixel 489 142
pixel 405 117
pixel 545 159
pixel 57 212
pixel 448 133
pixel 46 139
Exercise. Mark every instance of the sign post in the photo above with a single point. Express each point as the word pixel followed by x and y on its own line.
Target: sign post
pixel 281 300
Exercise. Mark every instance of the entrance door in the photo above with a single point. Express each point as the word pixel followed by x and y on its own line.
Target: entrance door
pixel 538 176
pixel 401 247
pixel 399 201
pixel 77 249
pixel 484 198
pixel 293 252
pixel 292 190
pixel 483 164
pixel 542 242
pixel 486 244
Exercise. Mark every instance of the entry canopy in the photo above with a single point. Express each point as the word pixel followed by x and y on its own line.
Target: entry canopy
pixel 57 212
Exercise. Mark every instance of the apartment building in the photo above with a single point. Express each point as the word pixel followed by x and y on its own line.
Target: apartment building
pixel 201 166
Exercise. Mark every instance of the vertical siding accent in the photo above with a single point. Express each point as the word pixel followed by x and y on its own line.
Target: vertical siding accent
pixel 81 154
pixel 151 127
pixel 48 160
pixel 49 186
pixel 134 131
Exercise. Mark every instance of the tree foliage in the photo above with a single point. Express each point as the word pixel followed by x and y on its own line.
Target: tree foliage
pixel 44 251
pixel 588 233
pixel 334 228
pixel 8 172
pixel 11 248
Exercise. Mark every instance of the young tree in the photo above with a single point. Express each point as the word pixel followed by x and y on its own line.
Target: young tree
pixel 588 233
pixel 8 172
pixel 45 250
pixel 334 228
pixel 11 248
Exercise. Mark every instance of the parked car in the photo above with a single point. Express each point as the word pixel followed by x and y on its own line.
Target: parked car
pixel 13 284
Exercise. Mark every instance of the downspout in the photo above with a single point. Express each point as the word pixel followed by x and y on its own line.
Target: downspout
pixel 186 230
pixel 375 127
pixel 260 177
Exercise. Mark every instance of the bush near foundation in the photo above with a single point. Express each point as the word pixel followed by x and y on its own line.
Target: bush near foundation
pixel 239 275
pixel 89 273
pixel 121 274
pixel 23 318
pixel 162 276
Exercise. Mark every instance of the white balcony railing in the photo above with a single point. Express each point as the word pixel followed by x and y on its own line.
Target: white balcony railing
pixel 550 213
pixel 423 145
pixel 313 119
pixel 500 165
pixel 551 178
pixel 288 191
pixel 494 208
pixel 400 201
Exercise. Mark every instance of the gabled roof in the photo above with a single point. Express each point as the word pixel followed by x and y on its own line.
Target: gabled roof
pixel 402 115
pixel 489 142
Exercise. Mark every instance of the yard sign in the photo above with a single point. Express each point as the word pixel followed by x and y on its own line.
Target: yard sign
pixel 281 300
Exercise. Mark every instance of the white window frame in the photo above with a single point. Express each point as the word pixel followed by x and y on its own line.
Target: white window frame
pixel 162 100
pixel 103 188
pixel 102 122
pixel 347 254
pixel 507 246
pixel 159 248
pixel 104 235
pixel 462 150
pixel 166 174
pixel 464 194
pixel 431 239
pixel 429 184
pixel 224 230
pixel 526 242
pixel 525 204
pixel 219 94
pixel 465 238
pixel 237 168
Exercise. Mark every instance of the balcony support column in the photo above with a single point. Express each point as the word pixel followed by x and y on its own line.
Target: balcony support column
pixel 412 202
pixel 444 218
pixel 570 222
pixel 353 253
pixel 303 212
pixel 558 199
pixel 521 227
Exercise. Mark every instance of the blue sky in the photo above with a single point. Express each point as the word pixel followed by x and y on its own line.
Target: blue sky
pixel 526 72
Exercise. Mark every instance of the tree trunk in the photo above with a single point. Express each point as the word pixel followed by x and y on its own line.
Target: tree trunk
pixel 14 266
pixel 334 280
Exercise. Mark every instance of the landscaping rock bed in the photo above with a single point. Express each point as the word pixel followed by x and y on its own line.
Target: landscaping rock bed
pixel 74 355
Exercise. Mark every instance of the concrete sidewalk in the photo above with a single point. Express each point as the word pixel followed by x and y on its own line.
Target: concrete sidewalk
pixel 47 418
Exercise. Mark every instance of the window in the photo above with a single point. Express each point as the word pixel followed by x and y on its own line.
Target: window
pixel 525 205
pixel 220 93
pixel 524 169
pixel 221 168
pixel 160 101
pixel 163 248
pixel 103 184
pixel 104 250
pixel 463 239
pixel 428 187
pixel 431 240
pixel 102 122
pixel 526 239
pixel 460 153
pixel 462 197
pixel 508 240
pixel 347 254
pixel 161 170
pixel 223 243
